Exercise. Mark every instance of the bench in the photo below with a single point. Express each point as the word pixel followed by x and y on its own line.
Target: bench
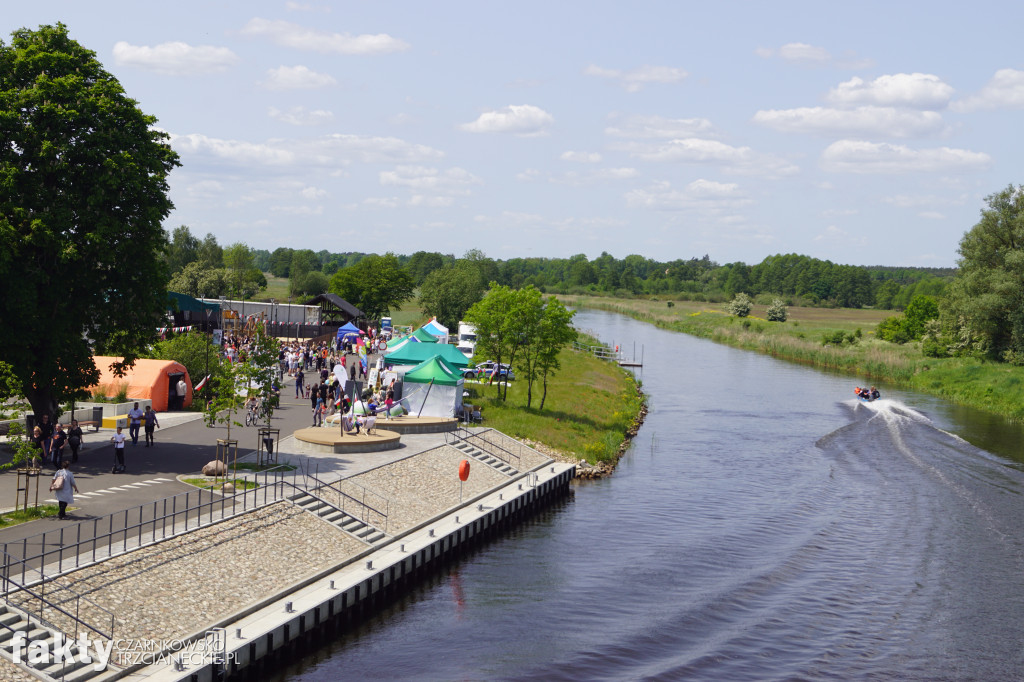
pixel 95 425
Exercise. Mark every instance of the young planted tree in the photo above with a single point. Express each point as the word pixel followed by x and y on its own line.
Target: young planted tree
pixel 83 192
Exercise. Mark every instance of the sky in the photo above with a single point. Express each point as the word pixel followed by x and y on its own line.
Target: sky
pixel 864 133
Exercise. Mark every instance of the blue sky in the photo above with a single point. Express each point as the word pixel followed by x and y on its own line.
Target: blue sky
pixel 865 133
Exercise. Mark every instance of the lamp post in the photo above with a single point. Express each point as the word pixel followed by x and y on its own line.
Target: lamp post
pixel 273 313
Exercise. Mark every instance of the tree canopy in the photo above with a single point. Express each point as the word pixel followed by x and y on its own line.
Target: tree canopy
pixel 83 192
pixel 984 305
pixel 375 285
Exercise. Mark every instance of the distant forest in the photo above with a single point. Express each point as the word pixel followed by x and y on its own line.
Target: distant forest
pixel 203 267
pixel 800 280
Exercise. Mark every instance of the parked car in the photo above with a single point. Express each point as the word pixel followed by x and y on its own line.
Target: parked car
pixel 484 370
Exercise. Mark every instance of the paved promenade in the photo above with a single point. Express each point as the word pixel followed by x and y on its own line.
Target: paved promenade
pixel 181 586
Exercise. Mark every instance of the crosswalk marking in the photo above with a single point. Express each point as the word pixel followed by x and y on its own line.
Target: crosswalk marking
pixel 117 489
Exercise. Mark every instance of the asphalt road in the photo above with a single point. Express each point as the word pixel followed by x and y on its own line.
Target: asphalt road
pixel 182 448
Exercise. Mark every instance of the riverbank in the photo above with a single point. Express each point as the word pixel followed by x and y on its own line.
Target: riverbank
pixel 592 411
pixel 993 387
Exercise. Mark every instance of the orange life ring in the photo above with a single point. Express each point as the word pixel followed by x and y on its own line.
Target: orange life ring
pixel 463 470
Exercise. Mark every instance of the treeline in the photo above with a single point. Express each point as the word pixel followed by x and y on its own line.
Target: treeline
pixel 800 280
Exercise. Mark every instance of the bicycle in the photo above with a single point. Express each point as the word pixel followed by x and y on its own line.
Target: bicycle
pixel 252 415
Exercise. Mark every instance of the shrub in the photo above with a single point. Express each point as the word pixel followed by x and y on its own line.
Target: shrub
pixel 670 304
pixel 833 338
pixel 739 306
pixel 777 311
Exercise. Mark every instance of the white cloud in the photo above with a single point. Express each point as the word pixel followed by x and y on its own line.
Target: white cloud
pixel 293 6
pixel 329 151
pixel 704 195
pixel 175 58
pixel 452 181
pixel 932 215
pixel 430 202
pixel 298 210
pixel 647 127
pixel 854 156
pixel 1004 91
pixel 862 121
pixel 296 78
pixel 925 200
pixel 797 52
pixel 313 192
pixel 287 34
pixel 298 116
pixel 812 55
pixel 635 80
pixel 742 160
pixel 914 90
pixel 528 175
pixel 599 175
pixel 581 157
pixel 833 234
pixel 522 119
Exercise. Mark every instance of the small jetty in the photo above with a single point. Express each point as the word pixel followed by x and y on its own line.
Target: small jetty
pixel 612 353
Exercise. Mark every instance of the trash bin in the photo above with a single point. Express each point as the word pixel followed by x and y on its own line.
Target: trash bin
pixel 30 423
pixel 268 442
pixel 97 416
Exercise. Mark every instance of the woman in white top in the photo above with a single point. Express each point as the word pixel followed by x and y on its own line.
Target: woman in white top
pixel 63 493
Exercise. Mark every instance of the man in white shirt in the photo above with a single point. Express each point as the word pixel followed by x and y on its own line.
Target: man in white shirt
pixel 134 422
pixel 181 389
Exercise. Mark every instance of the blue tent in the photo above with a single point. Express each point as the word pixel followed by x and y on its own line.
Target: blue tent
pixel 347 330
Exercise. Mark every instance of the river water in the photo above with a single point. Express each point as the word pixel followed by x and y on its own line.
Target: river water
pixel 764 525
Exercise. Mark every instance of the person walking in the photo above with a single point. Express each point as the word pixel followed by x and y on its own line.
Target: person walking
pixel 134 422
pixel 57 443
pixel 149 421
pixel 63 484
pixel 180 390
pixel 118 440
pixel 75 437
pixel 299 378
pixel 46 435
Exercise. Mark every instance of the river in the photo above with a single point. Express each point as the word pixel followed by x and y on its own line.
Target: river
pixel 764 525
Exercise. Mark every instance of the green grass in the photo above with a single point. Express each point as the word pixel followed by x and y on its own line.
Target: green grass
pixel 590 406
pixel 31 514
pixel 207 484
pixel 990 386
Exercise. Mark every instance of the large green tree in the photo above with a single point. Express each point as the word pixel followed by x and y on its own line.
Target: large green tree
pixel 449 291
pixel 983 308
pixel 83 192
pixel 375 285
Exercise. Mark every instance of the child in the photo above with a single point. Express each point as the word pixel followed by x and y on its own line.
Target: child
pixel 118 440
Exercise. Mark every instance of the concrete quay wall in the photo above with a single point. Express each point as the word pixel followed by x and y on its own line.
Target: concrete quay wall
pixel 283 628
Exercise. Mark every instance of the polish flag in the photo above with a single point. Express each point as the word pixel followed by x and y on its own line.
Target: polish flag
pixel 199 386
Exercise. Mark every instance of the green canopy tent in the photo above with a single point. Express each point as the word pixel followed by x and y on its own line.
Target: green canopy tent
pixel 423 336
pixel 434 388
pixel 415 353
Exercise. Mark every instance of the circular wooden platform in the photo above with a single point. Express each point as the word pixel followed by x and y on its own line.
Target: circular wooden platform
pixel 410 424
pixel 331 440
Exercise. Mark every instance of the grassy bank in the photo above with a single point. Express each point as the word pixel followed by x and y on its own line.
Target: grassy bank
pixel 985 385
pixel 590 407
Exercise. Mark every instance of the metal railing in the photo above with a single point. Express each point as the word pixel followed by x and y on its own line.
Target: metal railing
pixel 365 511
pixel 602 352
pixel 34 602
pixel 86 542
pixel 480 441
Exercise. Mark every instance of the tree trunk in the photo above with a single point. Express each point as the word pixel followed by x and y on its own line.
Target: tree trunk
pixel 43 401
pixel 544 395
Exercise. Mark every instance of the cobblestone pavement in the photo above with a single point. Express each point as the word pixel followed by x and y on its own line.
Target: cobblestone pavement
pixel 177 587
